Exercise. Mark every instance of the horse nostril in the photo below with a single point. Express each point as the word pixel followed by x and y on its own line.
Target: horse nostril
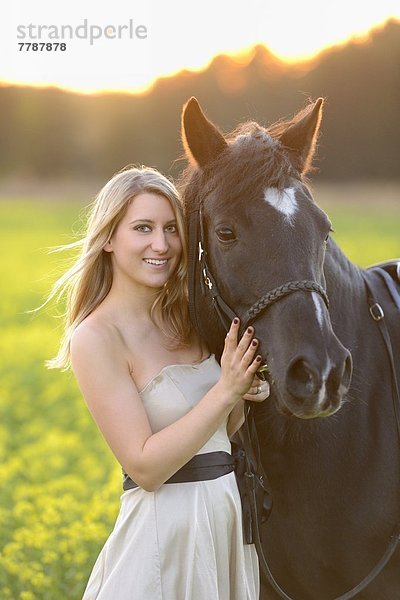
pixel 340 376
pixel 343 375
pixel 301 380
pixel 348 371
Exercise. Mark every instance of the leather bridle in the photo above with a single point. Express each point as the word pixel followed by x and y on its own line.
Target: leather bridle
pixel 209 287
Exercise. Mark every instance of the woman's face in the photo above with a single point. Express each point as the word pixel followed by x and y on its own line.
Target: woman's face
pixel 145 245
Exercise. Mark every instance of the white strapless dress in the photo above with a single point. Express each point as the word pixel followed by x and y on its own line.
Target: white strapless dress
pixel 183 541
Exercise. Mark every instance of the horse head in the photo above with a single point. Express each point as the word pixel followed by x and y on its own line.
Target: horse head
pixel 264 239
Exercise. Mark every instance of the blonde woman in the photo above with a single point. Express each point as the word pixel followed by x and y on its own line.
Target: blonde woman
pixel 163 404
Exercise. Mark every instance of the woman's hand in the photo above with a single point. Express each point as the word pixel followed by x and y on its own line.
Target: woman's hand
pixel 258 392
pixel 239 362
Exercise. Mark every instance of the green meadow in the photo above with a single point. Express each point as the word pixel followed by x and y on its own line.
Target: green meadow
pixel 60 484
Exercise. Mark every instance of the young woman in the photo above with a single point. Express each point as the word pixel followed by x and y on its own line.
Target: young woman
pixel 163 404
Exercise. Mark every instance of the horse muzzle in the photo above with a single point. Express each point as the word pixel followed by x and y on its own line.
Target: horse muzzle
pixel 313 390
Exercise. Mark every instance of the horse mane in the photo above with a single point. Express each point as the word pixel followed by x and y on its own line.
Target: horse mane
pixel 251 150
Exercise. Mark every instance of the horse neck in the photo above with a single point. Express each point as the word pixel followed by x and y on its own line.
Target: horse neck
pixel 345 286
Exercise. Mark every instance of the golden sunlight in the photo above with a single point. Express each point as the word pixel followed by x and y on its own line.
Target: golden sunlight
pixel 91 48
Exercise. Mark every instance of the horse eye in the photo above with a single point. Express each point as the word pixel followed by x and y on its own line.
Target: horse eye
pixel 331 230
pixel 225 234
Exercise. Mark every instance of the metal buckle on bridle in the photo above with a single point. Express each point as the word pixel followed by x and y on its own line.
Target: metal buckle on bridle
pixel 265 374
pixel 376 311
pixel 201 251
pixel 207 280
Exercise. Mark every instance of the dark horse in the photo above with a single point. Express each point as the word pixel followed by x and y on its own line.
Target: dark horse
pixel 335 480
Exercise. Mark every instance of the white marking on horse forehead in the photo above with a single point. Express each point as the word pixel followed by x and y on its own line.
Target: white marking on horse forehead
pixel 319 307
pixel 283 200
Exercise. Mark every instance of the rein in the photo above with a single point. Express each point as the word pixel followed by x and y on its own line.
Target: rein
pixel 226 315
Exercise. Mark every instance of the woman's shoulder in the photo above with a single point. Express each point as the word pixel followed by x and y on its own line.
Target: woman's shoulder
pixel 95 333
pixel 94 328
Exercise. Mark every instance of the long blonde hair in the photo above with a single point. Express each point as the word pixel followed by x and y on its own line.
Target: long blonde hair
pixel 88 281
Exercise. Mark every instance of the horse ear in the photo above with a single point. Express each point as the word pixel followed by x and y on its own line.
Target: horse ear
pixel 201 139
pixel 301 136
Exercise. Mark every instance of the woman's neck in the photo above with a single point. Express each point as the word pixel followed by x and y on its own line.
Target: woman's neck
pixel 129 302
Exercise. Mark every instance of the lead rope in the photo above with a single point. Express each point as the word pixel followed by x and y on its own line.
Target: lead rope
pixel 251 488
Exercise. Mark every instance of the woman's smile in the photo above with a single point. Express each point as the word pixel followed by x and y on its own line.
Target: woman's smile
pixel 156 262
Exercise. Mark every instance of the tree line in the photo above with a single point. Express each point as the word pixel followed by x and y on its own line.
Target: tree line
pixel 52 133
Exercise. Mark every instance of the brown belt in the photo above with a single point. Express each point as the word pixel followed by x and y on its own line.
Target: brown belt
pixel 201 467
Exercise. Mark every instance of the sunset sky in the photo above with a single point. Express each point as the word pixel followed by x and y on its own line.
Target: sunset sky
pixel 134 43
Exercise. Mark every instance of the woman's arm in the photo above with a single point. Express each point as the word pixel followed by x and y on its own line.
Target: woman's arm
pixel 258 392
pixel 115 404
pixel 236 419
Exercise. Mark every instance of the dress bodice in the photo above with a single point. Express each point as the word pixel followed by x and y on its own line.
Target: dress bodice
pixel 176 389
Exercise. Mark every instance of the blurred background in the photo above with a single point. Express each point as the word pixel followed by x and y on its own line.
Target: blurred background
pixel 68 122
pixel 53 134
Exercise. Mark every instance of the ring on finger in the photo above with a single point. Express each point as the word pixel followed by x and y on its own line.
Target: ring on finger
pixel 259 389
